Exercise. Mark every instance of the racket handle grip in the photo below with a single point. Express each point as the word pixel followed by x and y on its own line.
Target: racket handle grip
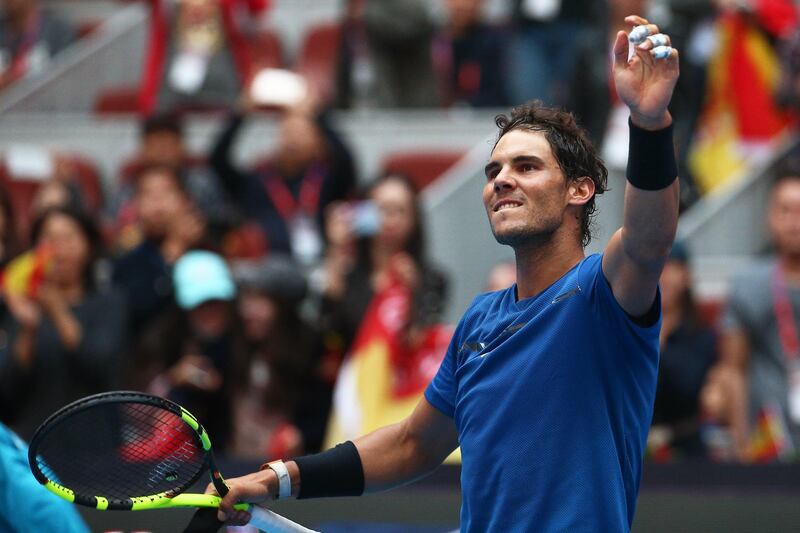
pixel 270 522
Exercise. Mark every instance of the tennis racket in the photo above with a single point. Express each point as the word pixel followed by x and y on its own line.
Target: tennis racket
pixel 132 451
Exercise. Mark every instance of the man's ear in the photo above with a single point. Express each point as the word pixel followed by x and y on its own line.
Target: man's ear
pixel 580 191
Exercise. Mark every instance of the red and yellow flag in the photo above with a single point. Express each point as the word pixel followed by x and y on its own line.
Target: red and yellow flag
pixel 769 440
pixel 382 379
pixel 25 273
pixel 740 110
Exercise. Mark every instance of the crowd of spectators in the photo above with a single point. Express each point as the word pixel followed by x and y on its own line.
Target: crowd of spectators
pixel 238 292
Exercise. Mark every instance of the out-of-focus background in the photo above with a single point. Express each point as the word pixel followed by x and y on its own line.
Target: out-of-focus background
pixel 269 211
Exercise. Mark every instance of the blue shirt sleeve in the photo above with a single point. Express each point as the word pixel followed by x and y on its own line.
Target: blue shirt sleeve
pixel 595 286
pixel 441 391
pixel 25 505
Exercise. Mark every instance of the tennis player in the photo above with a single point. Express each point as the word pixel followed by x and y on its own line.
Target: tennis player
pixel 547 386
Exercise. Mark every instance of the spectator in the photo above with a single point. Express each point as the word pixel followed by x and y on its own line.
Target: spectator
pixel 284 407
pixel 193 354
pixel 310 168
pixel 359 266
pixel 591 95
pixel 757 380
pixel 170 225
pixel 543 46
pixel 197 56
pixel 593 98
pixel 55 193
pixel 385 56
pixel 688 350
pixel 469 56
pixel 30 36
pixel 65 337
pixel 9 240
pixel 161 142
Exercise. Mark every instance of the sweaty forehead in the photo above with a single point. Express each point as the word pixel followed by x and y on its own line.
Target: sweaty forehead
pixel 522 142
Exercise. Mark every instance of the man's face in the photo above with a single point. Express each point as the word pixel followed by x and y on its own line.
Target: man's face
pixel 784 216
pixel 526 193
pixel 299 141
pixel 158 201
pixel 162 148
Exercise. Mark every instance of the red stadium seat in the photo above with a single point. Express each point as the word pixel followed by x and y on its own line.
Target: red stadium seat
pixel 22 191
pixel 422 166
pixel 117 100
pixel 318 56
pixel 21 195
pixel 266 50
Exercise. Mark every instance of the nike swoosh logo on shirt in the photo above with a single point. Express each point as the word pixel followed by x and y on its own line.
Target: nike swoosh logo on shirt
pixel 563 296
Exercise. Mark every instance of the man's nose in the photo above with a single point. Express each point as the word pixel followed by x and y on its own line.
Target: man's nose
pixel 503 180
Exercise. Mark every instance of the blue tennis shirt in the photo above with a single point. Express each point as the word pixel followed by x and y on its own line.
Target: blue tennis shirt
pixel 552 397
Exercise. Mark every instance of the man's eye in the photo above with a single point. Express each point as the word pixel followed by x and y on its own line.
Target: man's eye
pixel 527 168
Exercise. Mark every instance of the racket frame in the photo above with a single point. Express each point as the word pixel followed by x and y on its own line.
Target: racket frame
pixel 174 498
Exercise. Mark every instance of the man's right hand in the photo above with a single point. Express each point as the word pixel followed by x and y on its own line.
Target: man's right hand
pixel 258 487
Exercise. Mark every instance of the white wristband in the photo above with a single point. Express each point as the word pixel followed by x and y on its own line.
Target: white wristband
pixel 284 481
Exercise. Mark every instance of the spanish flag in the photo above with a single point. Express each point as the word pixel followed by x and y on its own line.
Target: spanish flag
pixel 383 378
pixel 740 111
pixel 25 273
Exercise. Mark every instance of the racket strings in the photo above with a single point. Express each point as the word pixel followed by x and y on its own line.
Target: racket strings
pixel 121 450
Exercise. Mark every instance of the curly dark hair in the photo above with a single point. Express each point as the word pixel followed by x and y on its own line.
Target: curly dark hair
pixel 575 154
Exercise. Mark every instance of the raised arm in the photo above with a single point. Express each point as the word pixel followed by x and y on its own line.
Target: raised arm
pixel 390 456
pixel 221 159
pixel 636 253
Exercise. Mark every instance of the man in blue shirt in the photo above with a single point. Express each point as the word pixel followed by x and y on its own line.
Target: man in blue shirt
pixel 547 386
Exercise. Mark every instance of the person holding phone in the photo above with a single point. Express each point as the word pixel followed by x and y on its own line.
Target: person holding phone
pixel 372 243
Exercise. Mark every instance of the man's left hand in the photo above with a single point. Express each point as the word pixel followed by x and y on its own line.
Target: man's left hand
pixel 644 82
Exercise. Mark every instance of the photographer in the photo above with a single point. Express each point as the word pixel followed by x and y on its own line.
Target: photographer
pixel 365 256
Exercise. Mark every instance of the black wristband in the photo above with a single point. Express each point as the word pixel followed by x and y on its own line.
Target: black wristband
pixel 335 472
pixel 651 158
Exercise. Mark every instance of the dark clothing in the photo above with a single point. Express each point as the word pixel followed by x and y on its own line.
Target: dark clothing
pixel 296 387
pixel 543 49
pixel 590 96
pixel 686 358
pixel 385 57
pixel 146 278
pixel 171 337
pixel 58 376
pixel 342 318
pixel 472 67
pixel 249 189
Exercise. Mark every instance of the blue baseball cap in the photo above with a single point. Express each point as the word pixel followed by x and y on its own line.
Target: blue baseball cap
pixel 201 276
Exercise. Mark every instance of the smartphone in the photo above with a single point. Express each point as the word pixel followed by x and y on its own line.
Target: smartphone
pixel 365 219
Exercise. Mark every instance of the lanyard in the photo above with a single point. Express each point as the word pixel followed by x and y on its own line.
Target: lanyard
pixel 787 326
pixel 285 203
